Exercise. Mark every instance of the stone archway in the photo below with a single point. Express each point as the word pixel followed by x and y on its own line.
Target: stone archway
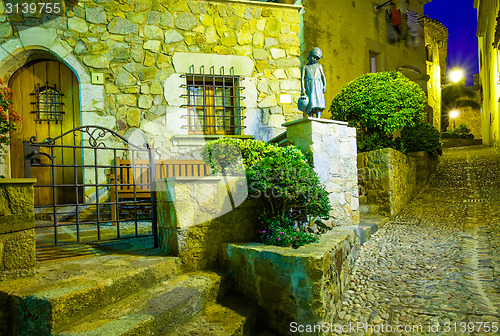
pixel 36 42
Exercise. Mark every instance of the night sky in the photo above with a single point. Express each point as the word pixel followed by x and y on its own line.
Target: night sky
pixel 460 17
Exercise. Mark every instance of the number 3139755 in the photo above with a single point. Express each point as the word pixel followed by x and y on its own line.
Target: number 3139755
pixel 32 8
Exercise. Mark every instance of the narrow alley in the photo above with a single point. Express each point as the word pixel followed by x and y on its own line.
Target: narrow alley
pixel 434 268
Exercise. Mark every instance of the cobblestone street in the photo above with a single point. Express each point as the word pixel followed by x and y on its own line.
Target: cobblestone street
pixel 434 269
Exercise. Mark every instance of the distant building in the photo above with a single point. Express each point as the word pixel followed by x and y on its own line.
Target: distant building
pixel 488 32
pixel 436 51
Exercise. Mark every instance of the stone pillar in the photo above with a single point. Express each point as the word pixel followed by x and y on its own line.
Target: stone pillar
pixel 17 228
pixel 332 145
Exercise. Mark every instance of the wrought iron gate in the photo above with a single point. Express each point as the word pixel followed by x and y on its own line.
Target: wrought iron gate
pixel 111 196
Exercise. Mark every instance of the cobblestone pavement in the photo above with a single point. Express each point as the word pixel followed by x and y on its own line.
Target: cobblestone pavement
pixel 434 269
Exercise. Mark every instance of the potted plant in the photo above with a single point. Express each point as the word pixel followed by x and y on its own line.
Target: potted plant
pixel 8 118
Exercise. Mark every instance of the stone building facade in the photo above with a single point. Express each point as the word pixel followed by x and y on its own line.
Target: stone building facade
pixel 488 32
pixel 132 59
pixel 354 38
pixel 436 49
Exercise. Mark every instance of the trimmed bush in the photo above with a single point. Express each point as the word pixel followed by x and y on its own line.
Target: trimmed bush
pixel 379 103
pixel 421 137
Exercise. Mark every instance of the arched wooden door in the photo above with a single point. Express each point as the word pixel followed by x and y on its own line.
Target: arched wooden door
pixel 23 83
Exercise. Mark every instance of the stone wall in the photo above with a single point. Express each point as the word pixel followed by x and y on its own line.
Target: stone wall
pixel 301 285
pixel 332 146
pixel 17 228
pixel 139 47
pixel 387 181
pixel 425 166
pixel 197 217
pixel 448 143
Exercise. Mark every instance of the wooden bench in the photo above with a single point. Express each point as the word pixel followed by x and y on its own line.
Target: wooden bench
pixel 132 181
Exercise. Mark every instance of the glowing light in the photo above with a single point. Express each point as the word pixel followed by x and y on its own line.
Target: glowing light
pixel 454 114
pixel 456 75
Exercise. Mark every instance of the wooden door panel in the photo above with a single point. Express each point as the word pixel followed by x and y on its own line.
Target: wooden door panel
pixel 22 83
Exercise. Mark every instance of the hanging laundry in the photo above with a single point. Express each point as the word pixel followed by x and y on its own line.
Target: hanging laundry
pixel 413 27
pixel 396 19
pixel 392 35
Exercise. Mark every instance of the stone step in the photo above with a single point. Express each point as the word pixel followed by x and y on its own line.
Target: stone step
pixel 62 292
pixel 152 311
pixel 233 315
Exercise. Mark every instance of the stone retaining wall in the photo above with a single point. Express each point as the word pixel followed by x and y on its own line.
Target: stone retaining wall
pixel 301 285
pixel 198 216
pixel 426 166
pixel 17 228
pixel 388 179
pixel 448 143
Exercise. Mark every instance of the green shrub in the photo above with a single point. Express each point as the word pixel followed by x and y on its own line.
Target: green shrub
pixel 378 141
pixel 379 103
pixel 282 178
pixel 238 154
pixel 460 132
pixel 289 187
pixel 421 137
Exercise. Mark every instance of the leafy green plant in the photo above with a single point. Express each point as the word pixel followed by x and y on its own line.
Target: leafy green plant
pixel 277 234
pixel 282 178
pixel 421 137
pixel 460 132
pixel 379 103
pixel 235 154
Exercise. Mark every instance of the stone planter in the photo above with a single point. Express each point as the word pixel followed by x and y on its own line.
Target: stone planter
pixel 301 285
pixel 196 218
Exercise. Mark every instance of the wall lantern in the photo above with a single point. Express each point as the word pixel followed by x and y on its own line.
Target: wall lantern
pixel 47 103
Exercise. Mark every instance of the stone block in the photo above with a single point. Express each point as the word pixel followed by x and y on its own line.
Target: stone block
pixel 37 36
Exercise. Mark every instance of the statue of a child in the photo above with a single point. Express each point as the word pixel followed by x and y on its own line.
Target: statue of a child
pixel 313 84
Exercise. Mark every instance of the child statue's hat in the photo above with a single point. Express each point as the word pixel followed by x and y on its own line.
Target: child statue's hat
pixel 316 52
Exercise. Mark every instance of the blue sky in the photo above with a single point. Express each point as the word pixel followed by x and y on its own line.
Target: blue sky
pixel 460 17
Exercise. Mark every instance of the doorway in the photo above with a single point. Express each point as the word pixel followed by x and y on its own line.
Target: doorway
pixel 23 83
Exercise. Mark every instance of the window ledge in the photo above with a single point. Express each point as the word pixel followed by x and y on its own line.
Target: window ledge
pixel 200 140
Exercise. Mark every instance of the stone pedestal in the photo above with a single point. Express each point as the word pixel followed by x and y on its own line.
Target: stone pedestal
pixel 332 145
pixel 17 228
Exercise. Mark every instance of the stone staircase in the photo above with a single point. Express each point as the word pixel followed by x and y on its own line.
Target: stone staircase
pixel 122 295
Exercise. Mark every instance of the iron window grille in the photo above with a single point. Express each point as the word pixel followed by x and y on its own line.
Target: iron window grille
pixel 213 102
pixel 47 103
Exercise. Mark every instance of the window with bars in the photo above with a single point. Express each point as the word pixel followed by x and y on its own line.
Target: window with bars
pixel 213 102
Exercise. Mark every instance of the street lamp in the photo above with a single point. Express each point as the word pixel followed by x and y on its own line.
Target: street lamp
pixel 456 75
pixel 453 115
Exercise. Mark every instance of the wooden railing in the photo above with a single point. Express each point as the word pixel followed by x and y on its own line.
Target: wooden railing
pixel 132 178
